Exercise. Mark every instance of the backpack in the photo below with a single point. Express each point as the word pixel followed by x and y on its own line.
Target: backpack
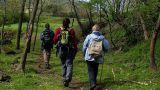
pixel 47 37
pixel 96 49
pixel 64 37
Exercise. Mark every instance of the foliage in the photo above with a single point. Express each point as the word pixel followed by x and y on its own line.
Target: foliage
pixel 12 13
pixel 128 66
pixel 150 11
pixel 124 69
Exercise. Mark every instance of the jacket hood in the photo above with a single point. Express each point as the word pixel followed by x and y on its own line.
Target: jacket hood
pixel 97 35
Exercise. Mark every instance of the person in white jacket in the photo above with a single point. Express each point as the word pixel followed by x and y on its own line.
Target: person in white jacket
pixel 93 62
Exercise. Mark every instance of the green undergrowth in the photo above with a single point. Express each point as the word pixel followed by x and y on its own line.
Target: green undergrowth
pixel 122 70
pixel 130 69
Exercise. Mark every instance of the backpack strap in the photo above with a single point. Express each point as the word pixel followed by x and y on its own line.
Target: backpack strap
pixel 69 29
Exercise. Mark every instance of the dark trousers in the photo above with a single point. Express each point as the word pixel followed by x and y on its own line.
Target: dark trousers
pixel 67 56
pixel 92 72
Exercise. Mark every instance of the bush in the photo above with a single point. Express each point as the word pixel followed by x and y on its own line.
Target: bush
pixel 11 19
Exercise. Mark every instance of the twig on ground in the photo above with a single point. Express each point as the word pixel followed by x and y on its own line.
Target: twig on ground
pixel 113 74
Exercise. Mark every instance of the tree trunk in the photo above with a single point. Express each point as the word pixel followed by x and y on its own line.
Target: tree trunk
pixel 90 14
pixel 20 24
pixel 4 22
pixel 89 18
pixel 153 44
pixel 77 16
pixel 37 23
pixel 34 42
pixel 100 12
pixel 146 34
pixel 29 13
pixel 110 28
pixel 29 35
pixel 29 8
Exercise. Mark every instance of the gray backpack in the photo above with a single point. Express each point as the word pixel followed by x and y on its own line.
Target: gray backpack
pixel 96 49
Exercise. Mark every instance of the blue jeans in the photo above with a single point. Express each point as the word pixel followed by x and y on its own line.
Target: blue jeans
pixel 67 56
pixel 92 72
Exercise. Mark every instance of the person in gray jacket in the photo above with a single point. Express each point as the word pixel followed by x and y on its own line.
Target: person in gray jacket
pixel 92 60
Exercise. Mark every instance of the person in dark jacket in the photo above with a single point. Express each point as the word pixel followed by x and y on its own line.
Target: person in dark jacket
pixel 47 44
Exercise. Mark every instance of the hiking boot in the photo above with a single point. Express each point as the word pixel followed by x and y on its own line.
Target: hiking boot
pixel 92 87
pixel 66 83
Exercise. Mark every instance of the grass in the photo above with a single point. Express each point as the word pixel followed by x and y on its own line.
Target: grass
pixel 120 71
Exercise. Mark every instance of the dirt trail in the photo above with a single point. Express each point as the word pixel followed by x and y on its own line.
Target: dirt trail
pixel 39 68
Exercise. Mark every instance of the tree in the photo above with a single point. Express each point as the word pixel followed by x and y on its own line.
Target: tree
pixel 29 35
pixel 88 7
pixel 20 23
pixel 4 21
pixel 152 45
pixel 110 27
pixel 29 7
pixel 37 22
pixel 77 16
pixel 146 33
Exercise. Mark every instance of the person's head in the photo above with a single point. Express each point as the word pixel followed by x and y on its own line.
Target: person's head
pixel 66 22
pixel 96 27
pixel 47 26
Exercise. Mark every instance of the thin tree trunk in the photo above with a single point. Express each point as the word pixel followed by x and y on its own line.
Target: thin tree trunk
pixel 20 24
pixel 89 18
pixel 90 14
pixel 110 28
pixel 29 35
pixel 146 34
pixel 77 16
pixel 152 46
pixel 34 42
pixel 123 6
pixel 3 24
pixel 29 13
pixel 29 8
pixel 100 13
pixel 37 23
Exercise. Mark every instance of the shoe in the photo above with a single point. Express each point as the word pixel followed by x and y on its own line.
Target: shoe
pixel 66 83
pixel 92 87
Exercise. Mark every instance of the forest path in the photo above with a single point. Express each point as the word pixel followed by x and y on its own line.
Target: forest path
pixel 40 69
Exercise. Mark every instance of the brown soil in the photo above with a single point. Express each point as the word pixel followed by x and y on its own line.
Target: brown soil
pixel 39 68
pixel 74 85
pixel 4 77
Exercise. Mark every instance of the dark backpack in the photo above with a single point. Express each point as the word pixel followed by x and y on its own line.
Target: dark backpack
pixel 47 38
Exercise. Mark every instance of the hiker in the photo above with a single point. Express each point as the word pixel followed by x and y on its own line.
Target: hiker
pixel 47 44
pixel 93 48
pixel 66 42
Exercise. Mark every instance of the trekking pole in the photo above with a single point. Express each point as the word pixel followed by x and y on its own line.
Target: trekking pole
pixel 101 73
pixel 101 69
